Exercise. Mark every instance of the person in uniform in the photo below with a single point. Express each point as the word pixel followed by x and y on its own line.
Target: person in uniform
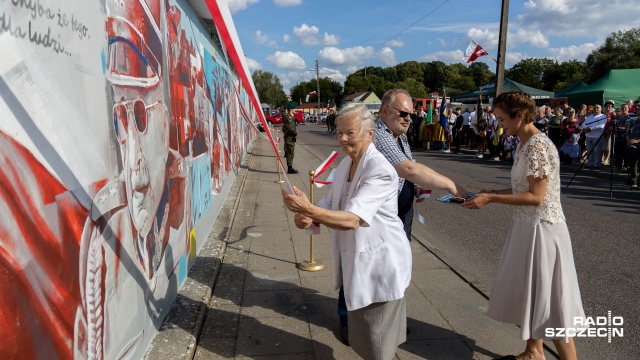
pixel 289 131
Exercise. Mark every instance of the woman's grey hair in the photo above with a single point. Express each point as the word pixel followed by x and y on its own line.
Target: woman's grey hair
pixel 359 110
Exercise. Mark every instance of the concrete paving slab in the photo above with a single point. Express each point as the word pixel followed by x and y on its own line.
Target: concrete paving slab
pixel 218 348
pixel 449 349
pixel 323 315
pixel 281 262
pixel 318 288
pixel 277 303
pixel 273 336
pixel 264 280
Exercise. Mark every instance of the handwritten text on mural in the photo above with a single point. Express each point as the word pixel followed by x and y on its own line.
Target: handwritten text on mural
pixel 32 27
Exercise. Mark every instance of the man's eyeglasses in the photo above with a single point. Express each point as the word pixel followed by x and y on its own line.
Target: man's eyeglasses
pixel 403 114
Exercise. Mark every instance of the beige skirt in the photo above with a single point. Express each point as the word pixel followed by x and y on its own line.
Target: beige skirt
pixel 375 331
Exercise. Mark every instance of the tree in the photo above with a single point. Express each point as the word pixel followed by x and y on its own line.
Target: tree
pixel 563 74
pixel 414 87
pixel 458 79
pixel 530 71
pixel 434 78
pixel 330 91
pixel 480 73
pixel 360 83
pixel 269 88
pixel 621 50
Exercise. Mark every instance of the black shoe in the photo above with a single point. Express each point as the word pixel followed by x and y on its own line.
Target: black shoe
pixel 344 334
pixel 292 170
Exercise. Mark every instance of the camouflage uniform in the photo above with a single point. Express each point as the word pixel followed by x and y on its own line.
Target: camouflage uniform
pixel 289 131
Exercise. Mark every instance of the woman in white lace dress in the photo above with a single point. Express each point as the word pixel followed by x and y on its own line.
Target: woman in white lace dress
pixel 536 286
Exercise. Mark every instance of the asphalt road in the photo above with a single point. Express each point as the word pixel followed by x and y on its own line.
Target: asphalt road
pixel 605 235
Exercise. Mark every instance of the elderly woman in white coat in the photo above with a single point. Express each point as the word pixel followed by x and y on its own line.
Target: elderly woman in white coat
pixel 371 254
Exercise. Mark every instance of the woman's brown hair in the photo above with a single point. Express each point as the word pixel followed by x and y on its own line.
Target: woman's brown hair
pixel 515 101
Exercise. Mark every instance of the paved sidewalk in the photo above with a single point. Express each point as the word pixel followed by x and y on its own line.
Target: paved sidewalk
pixel 245 297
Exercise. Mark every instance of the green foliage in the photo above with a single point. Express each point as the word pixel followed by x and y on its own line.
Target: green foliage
pixel 564 74
pixel 480 73
pixel 269 88
pixel 330 91
pixel 621 50
pixel 530 72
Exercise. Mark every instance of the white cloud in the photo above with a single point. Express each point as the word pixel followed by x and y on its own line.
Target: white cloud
pixel 533 37
pixel 237 5
pixel 513 57
pixel 333 74
pixel 395 43
pixel 560 6
pixel 286 60
pixel 264 40
pixel 442 42
pixel 310 36
pixel 387 56
pixel 285 3
pixel 352 68
pixel 587 18
pixel 488 39
pixel 286 38
pixel 294 77
pixel 572 52
pixel 350 56
pixel 253 65
pixel 447 57
pixel 459 28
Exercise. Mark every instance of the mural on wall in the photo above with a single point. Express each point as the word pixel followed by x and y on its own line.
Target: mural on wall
pixel 122 126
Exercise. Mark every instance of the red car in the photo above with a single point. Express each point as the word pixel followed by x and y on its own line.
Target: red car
pixel 276 118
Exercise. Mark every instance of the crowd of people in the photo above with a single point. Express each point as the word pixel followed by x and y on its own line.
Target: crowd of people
pixel 590 135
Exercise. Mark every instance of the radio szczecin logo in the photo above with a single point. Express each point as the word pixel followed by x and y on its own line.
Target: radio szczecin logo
pixel 592 327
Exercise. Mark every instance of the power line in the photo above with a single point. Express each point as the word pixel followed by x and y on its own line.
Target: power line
pixel 417 21
pixel 388 27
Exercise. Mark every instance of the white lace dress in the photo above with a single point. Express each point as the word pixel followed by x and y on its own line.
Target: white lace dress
pixel 536 286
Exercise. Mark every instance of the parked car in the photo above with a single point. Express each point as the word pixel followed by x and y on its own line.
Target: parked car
pixel 323 117
pixel 276 118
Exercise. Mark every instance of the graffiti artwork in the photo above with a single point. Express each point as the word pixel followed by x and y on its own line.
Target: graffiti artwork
pixel 122 125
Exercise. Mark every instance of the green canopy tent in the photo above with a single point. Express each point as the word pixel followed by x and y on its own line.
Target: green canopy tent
pixel 570 88
pixel 617 85
pixel 489 91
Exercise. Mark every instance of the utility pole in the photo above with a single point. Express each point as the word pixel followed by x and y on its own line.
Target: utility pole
pixel 502 46
pixel 318 84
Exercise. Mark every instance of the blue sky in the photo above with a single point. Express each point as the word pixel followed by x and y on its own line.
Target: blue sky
pixel 286 37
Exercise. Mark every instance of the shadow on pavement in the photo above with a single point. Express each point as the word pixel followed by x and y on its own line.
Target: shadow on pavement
pixel 251 315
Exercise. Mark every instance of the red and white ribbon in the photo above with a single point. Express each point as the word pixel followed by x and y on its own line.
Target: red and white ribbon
pixel 322 168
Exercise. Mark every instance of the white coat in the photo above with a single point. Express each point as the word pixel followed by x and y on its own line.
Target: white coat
pixel 373 262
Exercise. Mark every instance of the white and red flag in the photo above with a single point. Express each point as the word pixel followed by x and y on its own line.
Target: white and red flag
pixel 309 95
pixel 474 51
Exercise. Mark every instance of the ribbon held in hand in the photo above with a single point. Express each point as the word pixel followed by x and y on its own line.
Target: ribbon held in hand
pixel 322 168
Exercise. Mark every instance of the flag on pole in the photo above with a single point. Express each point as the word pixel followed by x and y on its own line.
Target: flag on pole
pixel 474 51
pixel 309 95
pixel 444 119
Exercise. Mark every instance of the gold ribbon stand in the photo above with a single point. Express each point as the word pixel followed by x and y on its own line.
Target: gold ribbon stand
pixel 312 264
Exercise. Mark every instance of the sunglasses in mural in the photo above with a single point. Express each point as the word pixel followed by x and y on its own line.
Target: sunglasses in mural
pixel 134 113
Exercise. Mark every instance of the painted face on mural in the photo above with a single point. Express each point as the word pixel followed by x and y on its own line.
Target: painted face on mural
pixel 142 134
